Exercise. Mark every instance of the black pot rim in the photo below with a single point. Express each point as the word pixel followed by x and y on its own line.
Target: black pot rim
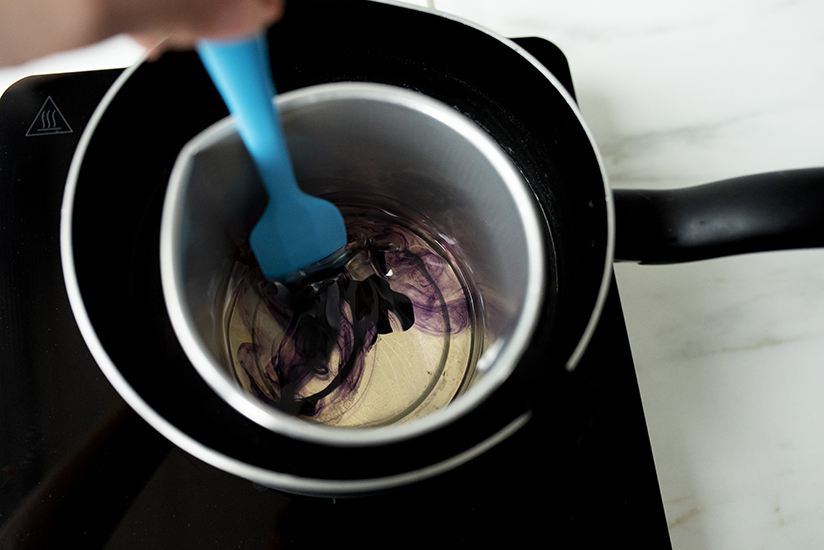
pixel 312 479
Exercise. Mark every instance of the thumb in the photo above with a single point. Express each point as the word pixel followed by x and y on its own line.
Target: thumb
pixel 180 23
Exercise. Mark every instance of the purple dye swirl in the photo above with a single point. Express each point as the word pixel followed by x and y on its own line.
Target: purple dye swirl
pixel 392 281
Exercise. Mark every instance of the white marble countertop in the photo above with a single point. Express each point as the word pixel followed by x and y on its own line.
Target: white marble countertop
pixel 728 352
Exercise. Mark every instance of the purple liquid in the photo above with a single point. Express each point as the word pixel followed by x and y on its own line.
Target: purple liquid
pixel 389 336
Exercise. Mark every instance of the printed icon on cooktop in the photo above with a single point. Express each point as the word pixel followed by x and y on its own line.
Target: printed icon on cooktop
pixel 49 121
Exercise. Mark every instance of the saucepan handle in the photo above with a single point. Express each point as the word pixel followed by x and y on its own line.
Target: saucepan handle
pixel 771 211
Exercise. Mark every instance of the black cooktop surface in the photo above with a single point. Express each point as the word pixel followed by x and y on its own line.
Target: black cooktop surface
pixel 77 465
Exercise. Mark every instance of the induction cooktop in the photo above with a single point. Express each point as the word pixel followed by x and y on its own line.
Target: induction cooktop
pixel 78 465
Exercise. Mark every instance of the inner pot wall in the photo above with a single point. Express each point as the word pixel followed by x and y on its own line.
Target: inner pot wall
pixel 369 140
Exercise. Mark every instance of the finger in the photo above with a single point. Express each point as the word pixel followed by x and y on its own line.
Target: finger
pixel 33 28
pixel 184 21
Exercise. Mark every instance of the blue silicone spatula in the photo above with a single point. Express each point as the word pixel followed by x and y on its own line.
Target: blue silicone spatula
pixel 296 229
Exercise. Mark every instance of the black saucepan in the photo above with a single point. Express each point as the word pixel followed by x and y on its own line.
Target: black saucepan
pixel 119 176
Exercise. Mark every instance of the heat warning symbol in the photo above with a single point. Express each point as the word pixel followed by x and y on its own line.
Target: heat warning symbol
pixel 49 121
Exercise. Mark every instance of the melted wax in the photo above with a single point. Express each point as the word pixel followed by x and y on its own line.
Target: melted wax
pixel 310 347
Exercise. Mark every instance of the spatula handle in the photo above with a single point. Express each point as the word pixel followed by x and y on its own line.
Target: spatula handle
pixel 242 74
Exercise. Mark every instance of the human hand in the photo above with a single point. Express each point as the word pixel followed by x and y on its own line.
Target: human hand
pixel 34 28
